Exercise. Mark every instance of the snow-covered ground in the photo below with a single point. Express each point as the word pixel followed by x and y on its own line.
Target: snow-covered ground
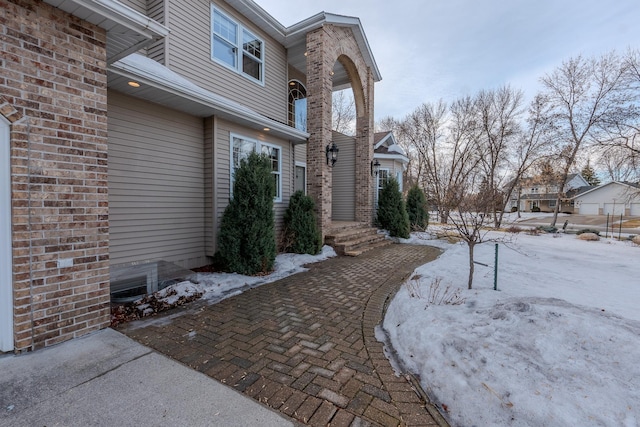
pixel 557 345
pixel 215 287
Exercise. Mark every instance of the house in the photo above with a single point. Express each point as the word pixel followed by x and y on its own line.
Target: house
pixel 613 198
pixel 539 193
pixel 121 123
pixel 389 160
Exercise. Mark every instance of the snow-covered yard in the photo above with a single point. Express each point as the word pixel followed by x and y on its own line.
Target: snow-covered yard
pixel 557 345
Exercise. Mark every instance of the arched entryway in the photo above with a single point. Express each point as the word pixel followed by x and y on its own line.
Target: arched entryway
pixel 6 287
pixel 334 61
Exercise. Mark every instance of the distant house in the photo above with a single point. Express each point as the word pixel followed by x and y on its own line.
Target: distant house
pixel 614 198
pixel 539 194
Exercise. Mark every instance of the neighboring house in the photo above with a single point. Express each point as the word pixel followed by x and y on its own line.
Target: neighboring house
pixel 122 123
pixel 614 198
pixel 389 160
pixel 542 193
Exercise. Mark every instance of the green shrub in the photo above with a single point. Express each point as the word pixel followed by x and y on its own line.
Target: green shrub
pixel 514 209
pixel 417 209
pixel 588 230
pixel 300 233
pixel 535 209
pixel 392 213
pixel 247 243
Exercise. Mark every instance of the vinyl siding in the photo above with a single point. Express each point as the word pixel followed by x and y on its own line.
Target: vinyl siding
pixel 137 5
pixel 343 206
pixel 189 54
pixel 156 184
pixel 156 10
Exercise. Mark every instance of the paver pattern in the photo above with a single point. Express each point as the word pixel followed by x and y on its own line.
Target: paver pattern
pixel 305 345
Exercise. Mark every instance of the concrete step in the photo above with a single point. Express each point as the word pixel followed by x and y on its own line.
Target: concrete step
pixel 354 239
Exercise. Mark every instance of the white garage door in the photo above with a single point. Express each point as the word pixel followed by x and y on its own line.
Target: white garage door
pixel 614 209
pixel 635 209
pixel 588 209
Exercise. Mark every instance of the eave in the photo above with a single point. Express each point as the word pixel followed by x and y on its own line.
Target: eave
pixel 127 30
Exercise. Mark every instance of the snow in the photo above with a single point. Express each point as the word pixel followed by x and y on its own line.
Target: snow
pixel 556 345
pixel 215 287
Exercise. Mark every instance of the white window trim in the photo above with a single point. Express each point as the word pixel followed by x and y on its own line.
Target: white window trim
pixel 6 269
pixel 258 149
pixel 304 166
pixel 239 28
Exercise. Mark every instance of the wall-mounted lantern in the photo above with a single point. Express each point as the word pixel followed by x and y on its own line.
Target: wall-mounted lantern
pixel 375 167
pixel 332 154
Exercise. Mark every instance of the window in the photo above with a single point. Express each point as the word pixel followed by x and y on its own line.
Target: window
pixel 383 176
pixel 297 105
pixel 552 203
pixel 399 179
pixel 300 182
pixel 241 147
pixel 236 47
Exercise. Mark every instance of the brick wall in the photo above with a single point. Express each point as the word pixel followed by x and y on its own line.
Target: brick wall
pixel 53 90
pixel 326 46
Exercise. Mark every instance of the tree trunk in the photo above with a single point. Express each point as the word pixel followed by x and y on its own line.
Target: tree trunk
pixel 471 264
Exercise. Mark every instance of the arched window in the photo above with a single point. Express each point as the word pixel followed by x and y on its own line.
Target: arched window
pixel 297 105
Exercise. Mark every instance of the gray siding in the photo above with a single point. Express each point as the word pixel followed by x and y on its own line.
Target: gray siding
pixel 189 54
pixel 137 5
pixel 343 205
pixel 156 184
pixel 156 10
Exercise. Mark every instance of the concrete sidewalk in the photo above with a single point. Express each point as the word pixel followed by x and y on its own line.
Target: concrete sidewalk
pixel 107 379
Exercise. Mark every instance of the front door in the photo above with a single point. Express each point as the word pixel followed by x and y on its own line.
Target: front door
pixel 6 293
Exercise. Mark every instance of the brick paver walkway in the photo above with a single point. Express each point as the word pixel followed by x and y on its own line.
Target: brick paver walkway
pixel 305 345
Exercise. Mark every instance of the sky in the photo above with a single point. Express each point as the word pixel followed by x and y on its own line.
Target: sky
pixel 443 49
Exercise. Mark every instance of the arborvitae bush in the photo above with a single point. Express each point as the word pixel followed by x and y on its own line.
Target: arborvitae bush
pixel 392 213
pixel 301 234
pixel 247 243
pixel 417 209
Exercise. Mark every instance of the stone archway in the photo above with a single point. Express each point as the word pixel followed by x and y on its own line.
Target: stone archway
pixel 325 47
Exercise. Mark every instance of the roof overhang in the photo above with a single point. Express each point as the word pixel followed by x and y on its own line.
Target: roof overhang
pixel 398 157
pixel 294 38
pixel 160 85
pixel 127 29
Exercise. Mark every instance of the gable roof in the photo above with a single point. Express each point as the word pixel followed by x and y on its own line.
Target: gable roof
pixel 631 185
pixel 386 147
pixel 294 37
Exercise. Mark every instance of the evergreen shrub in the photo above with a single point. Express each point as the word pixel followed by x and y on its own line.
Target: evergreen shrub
pixel 392 212
pixel 417 209
pixel 247 243
pixel 301 234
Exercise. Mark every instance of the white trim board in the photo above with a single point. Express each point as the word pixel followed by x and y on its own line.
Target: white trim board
pixel 6 269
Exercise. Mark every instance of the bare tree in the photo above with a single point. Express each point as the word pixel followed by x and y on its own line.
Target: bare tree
pixel 423 133
pixel 343 110
pixel 584 97
pixel 530 147
pixel 498 115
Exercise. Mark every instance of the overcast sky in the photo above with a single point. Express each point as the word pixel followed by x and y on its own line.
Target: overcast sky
pixel 432 49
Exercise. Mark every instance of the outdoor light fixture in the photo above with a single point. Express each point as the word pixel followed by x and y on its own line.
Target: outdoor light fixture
pixel 375 167
pixel 133 84
pixel 332 154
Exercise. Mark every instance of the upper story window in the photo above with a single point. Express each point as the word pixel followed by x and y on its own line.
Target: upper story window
pixel 236 47
pixel 297 105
